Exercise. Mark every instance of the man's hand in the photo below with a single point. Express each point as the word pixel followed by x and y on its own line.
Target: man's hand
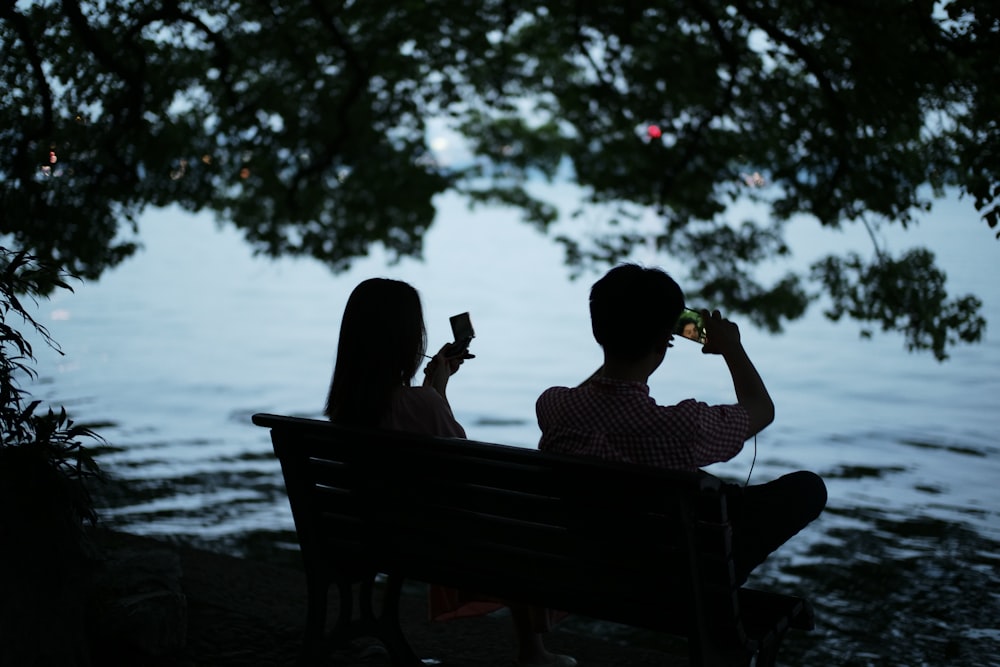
pixel 721 335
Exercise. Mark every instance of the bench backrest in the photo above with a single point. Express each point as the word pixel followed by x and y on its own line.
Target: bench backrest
pixel 598 538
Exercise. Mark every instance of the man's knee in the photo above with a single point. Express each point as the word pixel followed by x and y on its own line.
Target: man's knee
pixel 811 491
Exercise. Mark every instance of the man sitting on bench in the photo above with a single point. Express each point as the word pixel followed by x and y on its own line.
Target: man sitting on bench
pixel 611 415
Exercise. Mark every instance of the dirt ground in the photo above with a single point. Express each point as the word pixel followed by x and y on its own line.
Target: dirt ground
pixel 245 613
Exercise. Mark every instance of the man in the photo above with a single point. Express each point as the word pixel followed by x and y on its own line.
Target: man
pixel 611 415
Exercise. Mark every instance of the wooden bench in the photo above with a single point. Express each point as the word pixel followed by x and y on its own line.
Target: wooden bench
pixel 623 543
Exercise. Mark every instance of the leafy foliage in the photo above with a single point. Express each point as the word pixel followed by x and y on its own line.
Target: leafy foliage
pixel 860 290
pixel 306 125
pixel 46 556
pixel 28 436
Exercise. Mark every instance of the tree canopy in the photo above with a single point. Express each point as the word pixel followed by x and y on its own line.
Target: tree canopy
pixel 305 124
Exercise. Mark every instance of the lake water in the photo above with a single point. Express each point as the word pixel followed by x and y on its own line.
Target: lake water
pixel 170 354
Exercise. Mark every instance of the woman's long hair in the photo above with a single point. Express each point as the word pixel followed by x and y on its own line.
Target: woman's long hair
pixel 382 343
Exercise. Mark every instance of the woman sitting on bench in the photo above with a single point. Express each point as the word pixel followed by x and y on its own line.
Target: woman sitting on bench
pixel 382 344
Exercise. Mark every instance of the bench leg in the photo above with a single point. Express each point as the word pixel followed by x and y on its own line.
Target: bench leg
pixel 765 657
pixel 313 648
pixel 366 604
pixel 708 656
pixel 768 655
pixel 390 631
pixel 345 613
pixel 384 626
pixel 318 644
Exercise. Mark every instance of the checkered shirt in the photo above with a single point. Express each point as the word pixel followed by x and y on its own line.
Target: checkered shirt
pixel 618 420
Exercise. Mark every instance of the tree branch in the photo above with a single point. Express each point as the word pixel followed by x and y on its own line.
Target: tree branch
pixel 839 115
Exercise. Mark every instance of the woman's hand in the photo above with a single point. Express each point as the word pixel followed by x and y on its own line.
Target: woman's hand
pixel 443 365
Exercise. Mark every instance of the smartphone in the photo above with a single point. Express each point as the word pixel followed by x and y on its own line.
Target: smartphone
pixel 461 328
pixel 690 326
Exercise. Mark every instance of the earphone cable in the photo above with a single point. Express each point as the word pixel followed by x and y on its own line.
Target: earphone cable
pixel 751 462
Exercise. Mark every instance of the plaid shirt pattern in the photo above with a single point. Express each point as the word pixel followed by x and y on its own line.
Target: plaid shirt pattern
pixel 619 420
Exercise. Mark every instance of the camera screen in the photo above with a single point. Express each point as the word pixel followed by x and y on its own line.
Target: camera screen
pixel 690 326
pixel 461 328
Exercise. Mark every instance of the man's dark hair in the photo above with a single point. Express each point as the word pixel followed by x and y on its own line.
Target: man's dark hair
pixel 633 309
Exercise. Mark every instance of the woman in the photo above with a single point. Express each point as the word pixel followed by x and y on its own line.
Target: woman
pixel 382 344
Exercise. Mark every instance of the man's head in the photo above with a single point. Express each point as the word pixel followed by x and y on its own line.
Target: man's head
pixel 633 310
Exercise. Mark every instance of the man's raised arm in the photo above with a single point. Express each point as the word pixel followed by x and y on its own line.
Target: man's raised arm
pixel 723 337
